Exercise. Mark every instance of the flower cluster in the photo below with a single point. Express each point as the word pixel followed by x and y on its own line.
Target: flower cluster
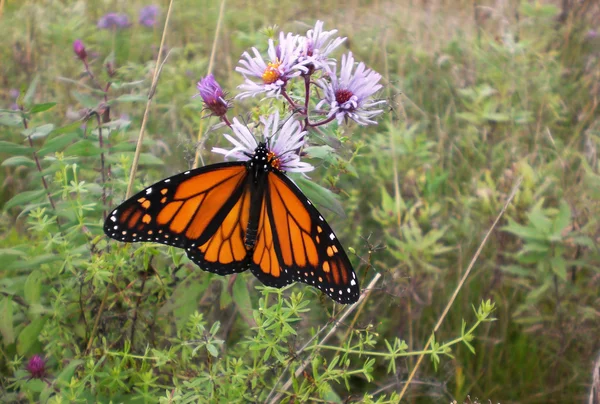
pixel 345 96
pixel 147 18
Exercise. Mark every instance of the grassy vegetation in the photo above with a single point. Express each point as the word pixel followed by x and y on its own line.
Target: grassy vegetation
pixel 482 95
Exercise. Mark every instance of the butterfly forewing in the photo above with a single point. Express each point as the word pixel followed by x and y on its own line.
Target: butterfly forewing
pixel 204 211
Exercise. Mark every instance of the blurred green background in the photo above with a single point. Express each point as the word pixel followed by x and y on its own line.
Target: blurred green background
pixel 481 94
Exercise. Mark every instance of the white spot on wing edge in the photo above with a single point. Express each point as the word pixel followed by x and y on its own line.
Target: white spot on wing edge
pixel 148 191
pixel 187 172
pixel 113 218
pixel 332 236
pixel 352 282
pixel 320 218
pixel 169 180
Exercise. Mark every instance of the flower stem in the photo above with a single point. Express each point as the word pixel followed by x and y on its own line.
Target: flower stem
pixel 39 168
pixel 323 122
pixel 101 144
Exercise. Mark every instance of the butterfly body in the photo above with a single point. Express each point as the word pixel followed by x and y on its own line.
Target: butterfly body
pixel 234 216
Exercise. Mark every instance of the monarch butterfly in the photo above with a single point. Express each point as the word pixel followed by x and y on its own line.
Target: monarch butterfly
pixel 234 216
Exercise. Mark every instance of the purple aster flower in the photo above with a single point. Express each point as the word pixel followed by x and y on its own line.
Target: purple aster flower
pixel 79 49
pixel 148 16
pixel 316 46
pixel 283 143
pixel 350 95
pixel 36 367
pixel 212 95
pixel 272 75
pixel 113 20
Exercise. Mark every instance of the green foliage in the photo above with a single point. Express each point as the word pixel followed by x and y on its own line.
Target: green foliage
pixel 480 106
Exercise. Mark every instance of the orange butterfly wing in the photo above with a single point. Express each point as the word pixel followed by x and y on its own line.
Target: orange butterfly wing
pixel 295 243
pixel 204 211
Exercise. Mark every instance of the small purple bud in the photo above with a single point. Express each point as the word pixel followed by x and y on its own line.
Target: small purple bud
pixel 148 16
pixel 212 95
pixel 36 367
pixel 14 93
pixel 79 49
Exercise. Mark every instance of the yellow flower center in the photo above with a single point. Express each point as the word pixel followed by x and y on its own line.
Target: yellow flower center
pixel 273 160
pixel 271 73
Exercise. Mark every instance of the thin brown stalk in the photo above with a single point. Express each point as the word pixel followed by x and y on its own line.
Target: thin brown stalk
pixel 39 168
pixel 138 148
pixel 198 156
pixel 97 321
pixel 333 329
pixel 102 165
pixel 459 287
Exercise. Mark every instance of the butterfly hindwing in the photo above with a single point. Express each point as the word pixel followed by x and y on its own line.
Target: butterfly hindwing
pixel 204 211
pixel 305 247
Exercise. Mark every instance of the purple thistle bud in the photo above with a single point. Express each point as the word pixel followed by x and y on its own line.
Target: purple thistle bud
pixel 36 367
pixel 79 49
pixel 148 16
pixel 113 20
pixel 212 95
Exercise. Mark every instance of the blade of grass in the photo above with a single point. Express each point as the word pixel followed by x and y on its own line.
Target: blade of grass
pixel 211 61
pixel 157 68
pixel 459 287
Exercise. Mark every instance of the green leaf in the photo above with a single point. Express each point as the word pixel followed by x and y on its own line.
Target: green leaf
pixel 559 267
pixel 83 148
pixel 13 148
pixel 470 117
pixel 58 143
pixel 30 94
pixel 540 221
pixel 320 196
pixel 67 373
pixel 73 126
pixel 33 263
pixel 130 98
pixel 11 119
pixel 148 159
pixel 33 286
pixel 18 161
pixel 85 100
pixel 39 131
pixel 29 336
pixel 212 350
pixel 496 116
pixel 319 152
pixel 119 85
pixel 527 233
pixel 41 107
pixel 6 321
pixel 24 198
pixel 562 220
